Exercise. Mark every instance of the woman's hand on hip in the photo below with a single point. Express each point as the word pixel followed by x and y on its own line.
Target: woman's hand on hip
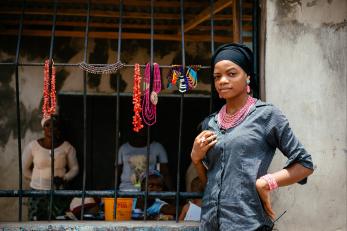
pixel 264 194
pixel 202 143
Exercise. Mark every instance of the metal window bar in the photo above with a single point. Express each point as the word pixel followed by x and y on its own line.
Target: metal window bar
pixel 77 64
pixel 85 75
pixel 212 49
pixel 240 21
pixel 117 109
pixel 151 80
pixel 20 179
pixel 82 193
pixel 52 120
pixel 181 112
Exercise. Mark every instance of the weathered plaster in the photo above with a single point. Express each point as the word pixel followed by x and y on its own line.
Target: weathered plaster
pixel 306 77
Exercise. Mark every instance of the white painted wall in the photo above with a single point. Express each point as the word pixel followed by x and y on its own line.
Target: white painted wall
pixel 305 76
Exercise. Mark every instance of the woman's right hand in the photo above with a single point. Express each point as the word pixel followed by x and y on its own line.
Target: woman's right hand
pixel 202 143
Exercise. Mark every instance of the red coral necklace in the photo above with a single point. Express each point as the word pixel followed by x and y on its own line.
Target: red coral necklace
pixel 49 92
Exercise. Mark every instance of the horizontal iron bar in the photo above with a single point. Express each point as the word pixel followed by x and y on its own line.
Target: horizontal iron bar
pixel 129 94
pixel 104 193
pixel 77 64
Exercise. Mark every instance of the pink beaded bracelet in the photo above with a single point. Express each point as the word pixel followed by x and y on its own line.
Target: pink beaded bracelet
pixel 271 181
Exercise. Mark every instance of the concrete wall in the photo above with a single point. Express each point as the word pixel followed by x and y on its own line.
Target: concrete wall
pixel 305 76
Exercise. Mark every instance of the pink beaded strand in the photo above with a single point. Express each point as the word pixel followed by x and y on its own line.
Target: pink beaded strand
pixel 149 108
pixel 226 121
pixel 271 181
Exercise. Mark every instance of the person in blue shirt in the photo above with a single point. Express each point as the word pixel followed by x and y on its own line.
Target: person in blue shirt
pixel 233 152
pixel 155 206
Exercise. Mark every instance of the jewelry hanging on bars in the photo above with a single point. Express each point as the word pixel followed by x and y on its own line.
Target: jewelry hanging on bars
pixel 183 82
pixel 49 91
pixel 137 121
pixel 173 75
pixel 101 68
pixel 150 100
pixel 192 76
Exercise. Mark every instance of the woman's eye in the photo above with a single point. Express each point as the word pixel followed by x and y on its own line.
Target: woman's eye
pixel 232 74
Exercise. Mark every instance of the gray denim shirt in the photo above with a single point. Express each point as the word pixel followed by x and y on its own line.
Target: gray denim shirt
pixel 241 155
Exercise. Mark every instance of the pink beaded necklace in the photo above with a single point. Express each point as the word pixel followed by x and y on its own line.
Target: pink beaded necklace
pixel 150 100
pixel 226 121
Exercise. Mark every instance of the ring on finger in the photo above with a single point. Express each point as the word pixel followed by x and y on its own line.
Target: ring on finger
pixel 202 139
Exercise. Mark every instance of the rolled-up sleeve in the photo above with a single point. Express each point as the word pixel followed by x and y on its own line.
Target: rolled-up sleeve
pixel 281 136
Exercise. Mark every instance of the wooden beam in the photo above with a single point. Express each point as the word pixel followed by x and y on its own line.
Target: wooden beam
pixel 93 13
pixel 206 14
pixel 114 35
pixel 114 14
pixel 113 25
pixel 236 21
pixel 137 3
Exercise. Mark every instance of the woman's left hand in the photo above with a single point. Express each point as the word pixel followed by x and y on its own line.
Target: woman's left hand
pixel 264 194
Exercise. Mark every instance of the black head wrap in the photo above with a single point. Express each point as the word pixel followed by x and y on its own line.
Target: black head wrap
pixel 237 53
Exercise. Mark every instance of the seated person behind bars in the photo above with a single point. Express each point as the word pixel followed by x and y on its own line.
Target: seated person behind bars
pixel 132 161
pixel 36 163
pixel 156 209
pixel 192 210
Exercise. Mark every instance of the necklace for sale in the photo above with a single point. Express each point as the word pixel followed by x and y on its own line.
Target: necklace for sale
pixel 137 121
pixel 49 92
pixel 150 100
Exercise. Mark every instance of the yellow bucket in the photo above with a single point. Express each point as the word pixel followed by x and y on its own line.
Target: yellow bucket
pixel 124 206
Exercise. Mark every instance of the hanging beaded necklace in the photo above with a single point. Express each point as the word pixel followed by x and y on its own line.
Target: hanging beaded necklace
pixel 137 121
pixel 49 92
pixel 150 100
pixel 101 68
pixel 226 121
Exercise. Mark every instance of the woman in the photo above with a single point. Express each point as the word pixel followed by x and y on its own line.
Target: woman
pixel 37 169
pixel 233 152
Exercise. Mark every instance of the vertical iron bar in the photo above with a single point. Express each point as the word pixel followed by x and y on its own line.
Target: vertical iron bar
pixel 150 90
pixel 212 51
pixel 240 22
pixel 181 113
pixel 255 48
pixel 117 108
pixel 52 122
pixel 20 179
pixel 85 74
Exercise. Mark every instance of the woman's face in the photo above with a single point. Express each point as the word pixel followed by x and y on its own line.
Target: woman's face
pixel 230 79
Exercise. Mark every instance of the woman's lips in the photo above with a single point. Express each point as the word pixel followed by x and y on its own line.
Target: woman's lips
pixel 224 89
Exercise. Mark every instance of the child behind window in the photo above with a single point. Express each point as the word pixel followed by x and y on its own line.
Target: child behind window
pixel 156 208
pixel 192 210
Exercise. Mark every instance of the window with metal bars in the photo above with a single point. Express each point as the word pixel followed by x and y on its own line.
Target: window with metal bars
pixel 155 24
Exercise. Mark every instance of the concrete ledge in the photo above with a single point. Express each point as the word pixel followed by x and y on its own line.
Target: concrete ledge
pixel 100 226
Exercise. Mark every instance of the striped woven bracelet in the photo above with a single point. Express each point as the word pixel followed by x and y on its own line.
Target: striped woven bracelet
pixel 271 181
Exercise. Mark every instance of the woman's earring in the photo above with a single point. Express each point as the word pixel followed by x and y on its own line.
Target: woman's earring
pixel 248 88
